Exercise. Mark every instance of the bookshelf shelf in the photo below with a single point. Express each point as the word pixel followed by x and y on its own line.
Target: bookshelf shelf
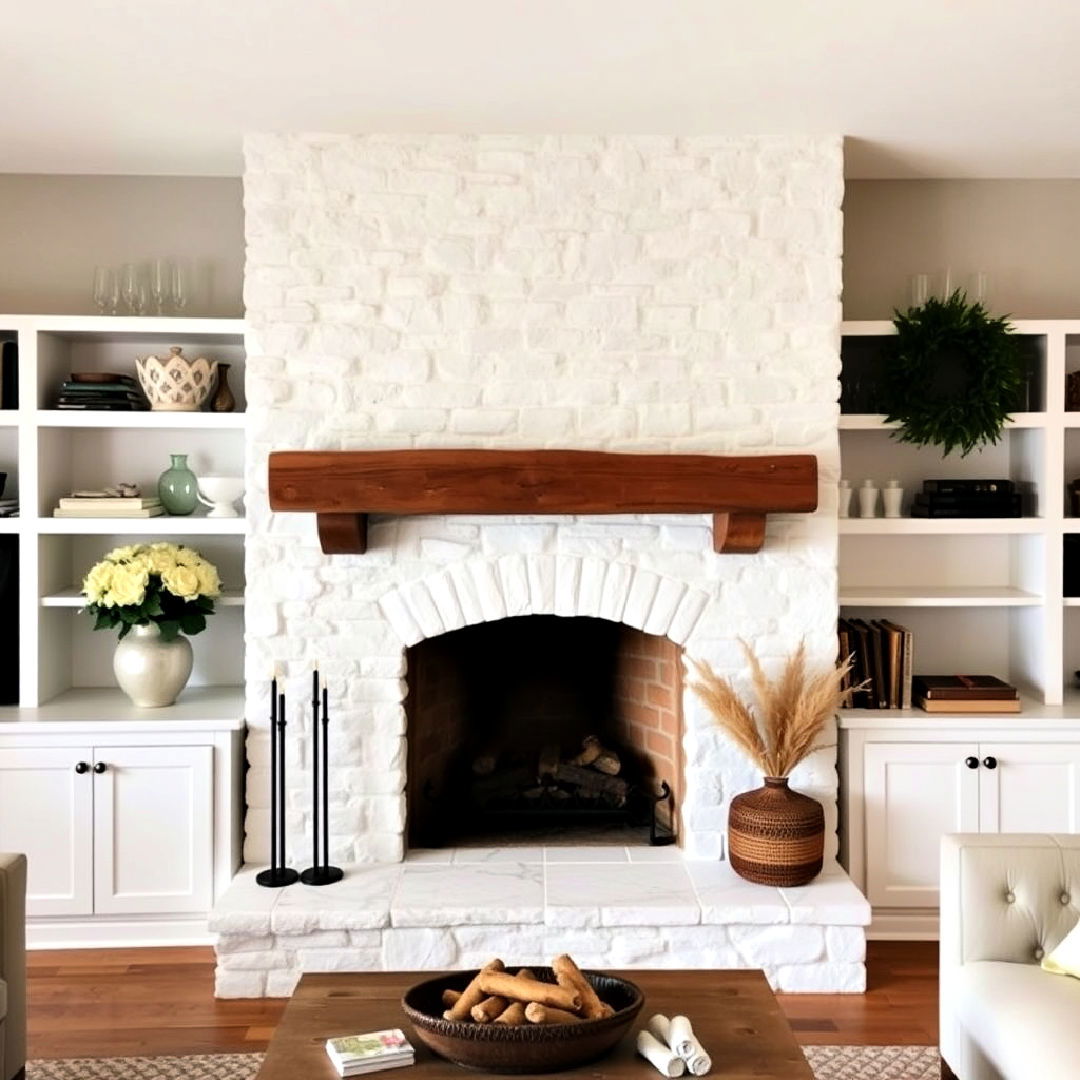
pixel 943 526
pixel 936 596
pixel 73 598
pixel 176 421
pixel 876 421
pixel 158 526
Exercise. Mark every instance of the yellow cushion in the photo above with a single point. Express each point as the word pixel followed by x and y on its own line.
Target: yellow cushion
pixel 1065 959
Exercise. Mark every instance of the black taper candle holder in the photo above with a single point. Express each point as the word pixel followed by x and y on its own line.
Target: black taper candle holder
pixel 278 874
pixel 320 872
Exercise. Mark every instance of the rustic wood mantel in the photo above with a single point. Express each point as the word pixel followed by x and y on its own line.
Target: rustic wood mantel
pixel 343 487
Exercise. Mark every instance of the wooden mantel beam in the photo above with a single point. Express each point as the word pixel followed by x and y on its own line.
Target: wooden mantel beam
pixel 342 487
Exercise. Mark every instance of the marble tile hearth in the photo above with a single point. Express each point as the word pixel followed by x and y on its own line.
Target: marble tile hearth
pixel 610 906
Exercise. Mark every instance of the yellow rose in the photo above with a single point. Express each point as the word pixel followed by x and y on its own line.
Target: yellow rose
pixel 125 553
pixel 158 561
pixel 209 582
pixel 96 583
pixel 186 556
pixel 181 581
pixel 128 585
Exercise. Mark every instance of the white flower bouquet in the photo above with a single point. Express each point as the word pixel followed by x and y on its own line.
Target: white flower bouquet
pixel 167 584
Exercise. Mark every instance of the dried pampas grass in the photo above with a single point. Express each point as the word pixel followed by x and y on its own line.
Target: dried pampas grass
pixel 792 709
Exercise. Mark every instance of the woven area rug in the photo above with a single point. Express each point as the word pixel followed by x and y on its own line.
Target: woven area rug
pixel 829 1063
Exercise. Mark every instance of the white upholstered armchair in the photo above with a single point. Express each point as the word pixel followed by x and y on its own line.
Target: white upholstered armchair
pixel 1006 901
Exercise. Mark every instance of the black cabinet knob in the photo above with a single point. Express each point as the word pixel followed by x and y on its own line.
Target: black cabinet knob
pixel 990 762
pixel 100 767
pixel 971 762
pixel 81 767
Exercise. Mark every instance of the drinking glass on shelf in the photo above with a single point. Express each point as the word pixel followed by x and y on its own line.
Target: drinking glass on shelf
pixel 920 289
pixel 105 291
pixel 179 286
pixel 161 283
pixel 133 288
pixel 979 287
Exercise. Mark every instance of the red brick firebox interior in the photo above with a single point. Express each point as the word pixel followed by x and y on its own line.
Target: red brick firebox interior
pixel 504 708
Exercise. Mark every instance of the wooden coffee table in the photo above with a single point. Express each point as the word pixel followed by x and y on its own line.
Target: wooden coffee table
pixel 734 1014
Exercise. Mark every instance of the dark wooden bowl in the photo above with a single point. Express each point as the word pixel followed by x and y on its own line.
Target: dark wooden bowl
pixel 530 1048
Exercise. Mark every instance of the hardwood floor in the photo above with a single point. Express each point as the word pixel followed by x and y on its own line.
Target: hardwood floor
pixel 129 1002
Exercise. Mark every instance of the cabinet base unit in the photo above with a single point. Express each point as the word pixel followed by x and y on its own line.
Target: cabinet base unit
pixel 131 828
pixel 907 781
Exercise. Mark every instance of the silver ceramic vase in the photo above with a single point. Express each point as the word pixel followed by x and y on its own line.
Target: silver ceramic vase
pixel 151 671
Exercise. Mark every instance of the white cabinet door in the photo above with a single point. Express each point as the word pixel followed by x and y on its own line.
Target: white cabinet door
pixel 915 792
pixel 1032 787
pixel 153 829
pixel 46 811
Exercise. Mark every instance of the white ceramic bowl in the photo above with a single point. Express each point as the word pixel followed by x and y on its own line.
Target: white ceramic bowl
pixel 221 493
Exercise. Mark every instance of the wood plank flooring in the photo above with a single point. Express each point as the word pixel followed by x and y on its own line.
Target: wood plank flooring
pixel 128 1002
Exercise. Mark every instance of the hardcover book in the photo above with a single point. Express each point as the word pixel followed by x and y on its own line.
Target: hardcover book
pixel 969 707
pixel 354 1055
pixel 968 487
pixel 964 688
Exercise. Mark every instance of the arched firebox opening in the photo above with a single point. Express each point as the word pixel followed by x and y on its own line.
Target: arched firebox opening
pixel 544 729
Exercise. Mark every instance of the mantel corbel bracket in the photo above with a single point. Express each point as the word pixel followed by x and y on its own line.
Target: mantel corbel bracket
pixel 343 487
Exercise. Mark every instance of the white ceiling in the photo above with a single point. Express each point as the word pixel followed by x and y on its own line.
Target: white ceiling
pixel 942 88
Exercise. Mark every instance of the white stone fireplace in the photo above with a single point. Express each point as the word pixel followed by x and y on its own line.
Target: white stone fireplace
pixel 652 294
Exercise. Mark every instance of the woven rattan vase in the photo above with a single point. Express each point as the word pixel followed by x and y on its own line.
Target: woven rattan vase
pixel 776 836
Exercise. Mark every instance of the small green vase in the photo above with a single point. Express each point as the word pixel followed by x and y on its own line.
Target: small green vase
pixel 178 488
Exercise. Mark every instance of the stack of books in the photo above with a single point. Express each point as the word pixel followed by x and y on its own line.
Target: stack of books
pixel 966 694
pixel 881 652
pixel 353 1055
pixel 119 394
pixel 94 504
pixel 967 499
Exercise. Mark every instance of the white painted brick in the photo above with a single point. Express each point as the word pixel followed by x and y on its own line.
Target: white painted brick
pixel 845 944
pixel 281 983
pixel 761 945
pixel 346 959
pixel 239 984
pixel 418 949
pixel 827 978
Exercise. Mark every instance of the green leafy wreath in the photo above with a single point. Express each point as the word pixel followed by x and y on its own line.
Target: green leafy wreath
pixel 953 374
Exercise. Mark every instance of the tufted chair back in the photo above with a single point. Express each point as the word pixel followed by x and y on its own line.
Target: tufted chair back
pixel 1009 897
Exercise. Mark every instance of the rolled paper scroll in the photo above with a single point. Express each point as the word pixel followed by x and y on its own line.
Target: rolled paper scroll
pixel 664 1060
pixel 683 1041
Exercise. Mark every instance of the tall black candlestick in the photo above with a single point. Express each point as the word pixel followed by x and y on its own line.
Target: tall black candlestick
pixel 320 873
pixel 315 803
pixel 325 784
pixel 278 874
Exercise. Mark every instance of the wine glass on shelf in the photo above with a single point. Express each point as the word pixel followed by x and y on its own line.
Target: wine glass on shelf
pixel 179 286
pixel 133 288
pixel 105 291
pixel 161 283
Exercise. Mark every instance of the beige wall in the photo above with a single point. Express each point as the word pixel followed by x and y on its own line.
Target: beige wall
pixel 54 229
pixel 1025 234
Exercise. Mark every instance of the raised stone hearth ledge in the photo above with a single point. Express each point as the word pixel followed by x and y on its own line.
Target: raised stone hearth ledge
pixel 610 907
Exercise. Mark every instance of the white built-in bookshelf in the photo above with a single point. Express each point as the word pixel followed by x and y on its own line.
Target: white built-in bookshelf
pixel 65 668
pixel 980 595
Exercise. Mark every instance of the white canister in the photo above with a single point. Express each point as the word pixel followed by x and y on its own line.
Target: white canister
pixel 892 495
pixel 843 499
pixel 868 498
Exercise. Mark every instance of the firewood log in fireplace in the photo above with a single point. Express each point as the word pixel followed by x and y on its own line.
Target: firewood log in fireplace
pixel 600 757
pixel 507 784
pixel 588 782
pixel 548 763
